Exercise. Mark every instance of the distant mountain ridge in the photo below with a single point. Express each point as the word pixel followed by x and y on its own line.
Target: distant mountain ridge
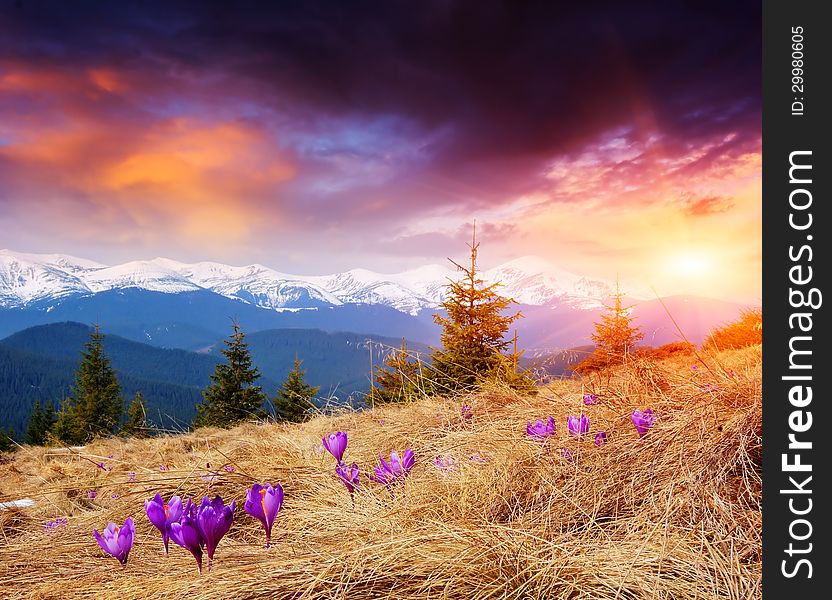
pixel 169 304
pixel 38 279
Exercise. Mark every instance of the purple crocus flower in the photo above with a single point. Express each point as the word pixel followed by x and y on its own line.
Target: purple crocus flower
pixel 590 399
pixel 131 476
pixel 466 412
pixel 92 494
pixel 566 454
pixel 445 463
pixel 163 514
pixel 263 502
pixel 600 438
pixel 214 520
pixel 186 533
pixel 335 444
pixel 396 470
pixel 540 429
pixel 577 427
pixel 55 524
pixel 348 475
pixel 116 540
pixel 643 421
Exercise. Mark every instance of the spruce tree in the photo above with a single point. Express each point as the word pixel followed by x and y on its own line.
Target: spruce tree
pixel 232 396
pixel 473 345
pixel 294 396
pixel 95 405
pixel 615 335
pixel 399 381
pixel 40 424
pixel 136 424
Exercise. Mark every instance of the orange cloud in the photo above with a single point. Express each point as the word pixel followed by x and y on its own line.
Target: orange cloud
pixel 108 80
pixel 197 178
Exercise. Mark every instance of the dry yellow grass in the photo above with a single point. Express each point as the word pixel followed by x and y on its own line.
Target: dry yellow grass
pixel 676 515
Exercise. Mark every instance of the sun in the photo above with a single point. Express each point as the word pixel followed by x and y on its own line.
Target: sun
pixel 691 264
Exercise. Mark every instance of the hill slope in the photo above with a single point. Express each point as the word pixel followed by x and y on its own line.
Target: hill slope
pixel 676 514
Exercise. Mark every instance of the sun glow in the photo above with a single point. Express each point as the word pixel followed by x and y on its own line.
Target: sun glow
pixel 691 264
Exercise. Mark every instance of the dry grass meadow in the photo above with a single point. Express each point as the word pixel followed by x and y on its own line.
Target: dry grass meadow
pixel 675 515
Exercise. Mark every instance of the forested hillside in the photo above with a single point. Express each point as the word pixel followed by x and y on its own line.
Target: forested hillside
pixel 39 363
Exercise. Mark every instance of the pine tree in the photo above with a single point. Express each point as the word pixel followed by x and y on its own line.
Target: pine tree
pixel 232 396
pixel 136 425
pixel 399 381
pixel 41 422
pixel 473 345
pixel 615 336
pixel 95 406
pixel 294 396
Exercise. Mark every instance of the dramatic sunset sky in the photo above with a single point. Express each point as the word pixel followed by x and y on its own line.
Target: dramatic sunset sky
pixel 313 137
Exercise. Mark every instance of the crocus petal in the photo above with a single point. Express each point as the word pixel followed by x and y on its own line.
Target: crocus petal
pixel 254 505
pixel 155 510
pixel 273 500
pixel 408 460
pixel 125 540
pixel 102 541
pixel 395 464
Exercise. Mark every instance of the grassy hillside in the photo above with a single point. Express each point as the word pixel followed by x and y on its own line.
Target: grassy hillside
pixel 676 514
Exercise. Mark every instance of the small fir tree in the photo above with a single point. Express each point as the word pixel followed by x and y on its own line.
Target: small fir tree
pixel 40 425
pixel 615 336
pixel 7 442
pixel 399 381
pixel 67 428
pixel 232 396
pixel 136 425
pixel 95 405
pixel 294 396
pixel 473 345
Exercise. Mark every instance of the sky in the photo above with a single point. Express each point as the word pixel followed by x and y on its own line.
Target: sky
pixel 613 139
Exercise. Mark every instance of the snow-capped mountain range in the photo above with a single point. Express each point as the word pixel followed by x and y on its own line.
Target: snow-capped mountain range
pixel 43 279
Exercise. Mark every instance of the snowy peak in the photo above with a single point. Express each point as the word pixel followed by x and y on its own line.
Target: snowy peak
pixel 27 279
pixel 257 284
pixel 142 274
pixel 533 280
